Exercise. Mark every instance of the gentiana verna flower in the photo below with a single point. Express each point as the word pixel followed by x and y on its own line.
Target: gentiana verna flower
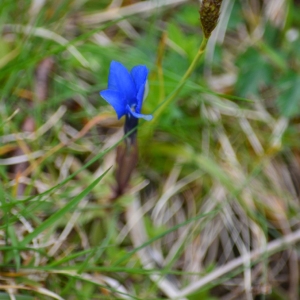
pixel 126 90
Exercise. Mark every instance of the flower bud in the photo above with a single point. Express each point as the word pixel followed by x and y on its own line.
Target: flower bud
pixel 209 15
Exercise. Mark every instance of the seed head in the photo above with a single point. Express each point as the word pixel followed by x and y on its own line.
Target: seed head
pixel 209 15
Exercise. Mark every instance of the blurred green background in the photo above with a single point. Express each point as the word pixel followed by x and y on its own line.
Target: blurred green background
pixel 218 173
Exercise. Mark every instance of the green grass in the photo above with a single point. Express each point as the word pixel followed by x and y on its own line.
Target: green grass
pixel 212 209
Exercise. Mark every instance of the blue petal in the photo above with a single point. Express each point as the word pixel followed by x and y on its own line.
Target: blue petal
pixel 120 80
pixel 140 98
pixel 139 74
pixel 116 100
pixel 139 116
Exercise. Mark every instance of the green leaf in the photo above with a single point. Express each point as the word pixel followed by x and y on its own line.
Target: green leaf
pixel 254 73
pixel 204 295
pixel 289 100
pixel 5 296
pixel 15 243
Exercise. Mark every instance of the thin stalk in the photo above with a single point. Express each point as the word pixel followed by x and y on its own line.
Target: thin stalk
pixel 183 80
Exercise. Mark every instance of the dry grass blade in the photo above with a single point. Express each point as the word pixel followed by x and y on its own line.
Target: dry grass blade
pixel 116 287
pixel 139 236
pixel 39 290
pixel 21 158
pixel 48 34
pixel 271 248
pixel 130 10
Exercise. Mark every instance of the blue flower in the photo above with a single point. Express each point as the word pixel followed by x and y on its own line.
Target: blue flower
pixel 126 90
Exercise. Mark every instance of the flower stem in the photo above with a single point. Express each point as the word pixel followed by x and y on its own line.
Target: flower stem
pixel 130 125
pixel 183 80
